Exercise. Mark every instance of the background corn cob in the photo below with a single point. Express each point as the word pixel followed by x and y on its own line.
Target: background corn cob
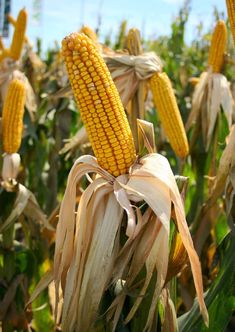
pixel 218 47
pixel 1 44
pixel 133 42
pixel 169 114
pixel 178 257
pixel 19 35
pixel 5 54
pixel 12 116
pixel 194 80
pixel 13 23
pixel 231 15
pixel 89 33
pixel 99 103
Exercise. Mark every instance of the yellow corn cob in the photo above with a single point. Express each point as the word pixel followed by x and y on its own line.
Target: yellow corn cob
pixel 12 116
pixel 89 33
pixel 231 15
pixel 11 20
pixel 5 54
pixel 133 42
pixel 194 80
pixel 169 114
pixel 19 35
pixel 218 47
pixel 1 44
pixel 13 23
pixel 99 104
pixel 178 257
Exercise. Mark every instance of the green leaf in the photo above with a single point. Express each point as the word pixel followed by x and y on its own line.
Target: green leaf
pixel 221 228
pixel 220 298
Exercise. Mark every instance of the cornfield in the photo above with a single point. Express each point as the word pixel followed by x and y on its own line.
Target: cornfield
pixel 117 180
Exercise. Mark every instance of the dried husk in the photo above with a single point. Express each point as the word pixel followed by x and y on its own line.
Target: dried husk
pixel 170 319
pixel 11 166
pixel 128 70
pixel 211 93
pixel 81 255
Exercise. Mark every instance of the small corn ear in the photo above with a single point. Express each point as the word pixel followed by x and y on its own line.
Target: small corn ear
pixel 13 23
pixel 89 33
pixel 99 104
pixel 133 42
pixel 1 44
pixel 11 20
pixel 218 47
pixel 19 35
pixel 12 116
pixel 178 257
pixel 231 16
pixel 194 81
pixel 169 114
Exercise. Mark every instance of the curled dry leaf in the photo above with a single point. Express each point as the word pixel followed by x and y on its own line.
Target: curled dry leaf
pixel 25 203
pixel 9 295
pixel 73 143
pixel 43 284
pixel 18 208
pixel 146 139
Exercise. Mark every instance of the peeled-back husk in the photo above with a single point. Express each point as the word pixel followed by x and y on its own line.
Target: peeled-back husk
pixel 88 251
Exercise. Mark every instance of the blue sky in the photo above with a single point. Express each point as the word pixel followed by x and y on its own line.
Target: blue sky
pixel 152 17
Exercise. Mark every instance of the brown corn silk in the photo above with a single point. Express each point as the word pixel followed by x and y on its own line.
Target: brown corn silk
pixel 169 114
pixel 12 116
pixel 99 104
pixel 218 47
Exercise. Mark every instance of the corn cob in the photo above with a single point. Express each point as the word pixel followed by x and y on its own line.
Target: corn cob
pixel 5 54
pixel 89 33
pixel 194 80
pixel 169 114
pixel 11 20
pixel 19 35
pixel 231 15
pixel 218 47
pixel 133 42
pixel 178 257
pixel 99 103
pixel 13 23
pixel 12 116
pixel 1 44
